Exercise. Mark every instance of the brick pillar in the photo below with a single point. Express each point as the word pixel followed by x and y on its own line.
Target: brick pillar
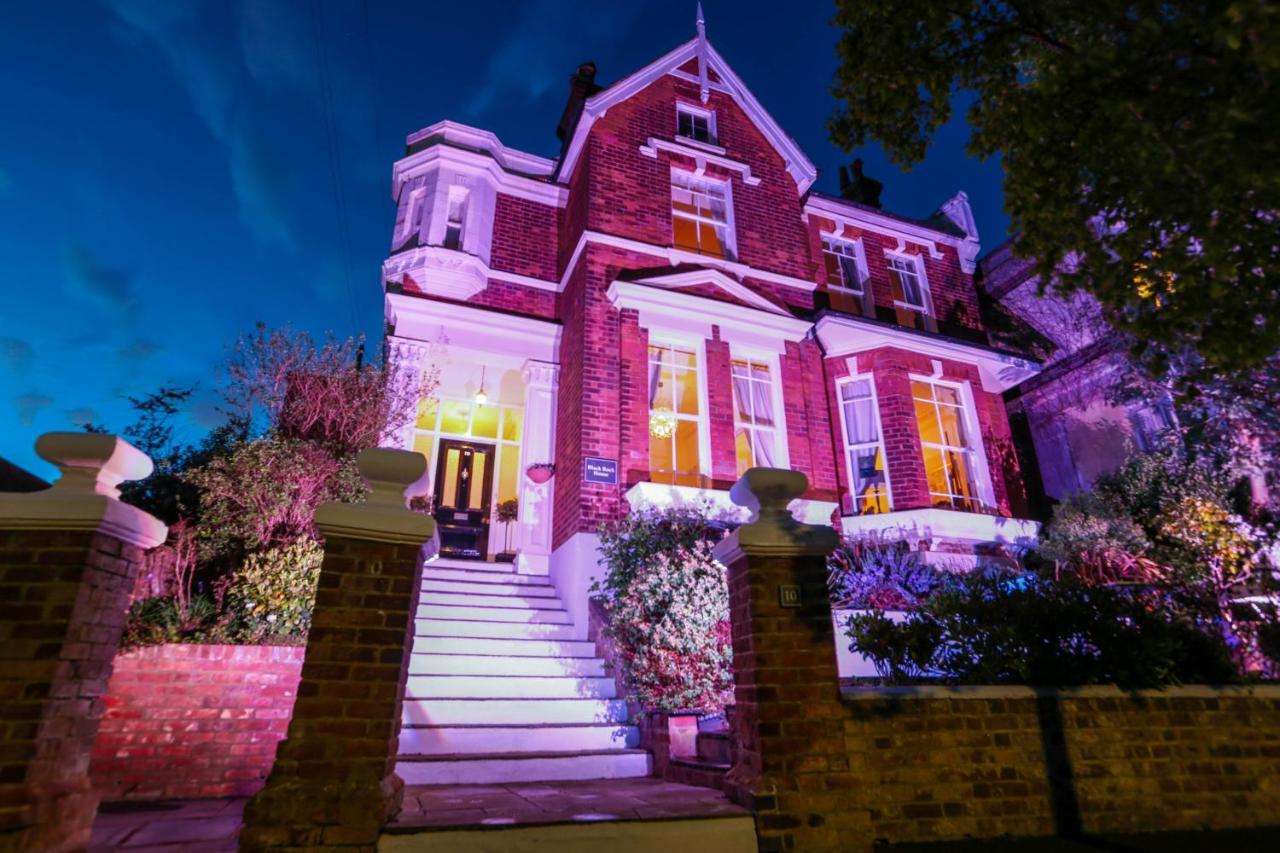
pixel 789 725
pixel 720 405
pixel 334 783
pixel 69 557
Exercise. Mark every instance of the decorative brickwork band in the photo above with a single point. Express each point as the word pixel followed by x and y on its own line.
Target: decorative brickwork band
pixel 789 719
pixel 68 559
pixel 334 783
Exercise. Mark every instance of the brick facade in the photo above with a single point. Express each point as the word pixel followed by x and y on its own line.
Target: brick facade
pixel 189 721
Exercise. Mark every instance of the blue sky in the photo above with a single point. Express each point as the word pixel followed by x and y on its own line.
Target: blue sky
pixel 172 172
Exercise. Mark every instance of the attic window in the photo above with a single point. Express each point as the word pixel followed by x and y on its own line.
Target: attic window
pixel 696 124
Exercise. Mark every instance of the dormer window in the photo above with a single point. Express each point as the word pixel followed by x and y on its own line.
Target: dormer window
pixel 455 219
pixel 696 124
pixel 700 219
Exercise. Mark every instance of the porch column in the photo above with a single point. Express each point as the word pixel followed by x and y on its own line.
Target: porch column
pixel 69 556
pixel 407 360
pixel 540 381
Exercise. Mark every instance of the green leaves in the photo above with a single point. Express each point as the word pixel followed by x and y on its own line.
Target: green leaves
pixel 1137 140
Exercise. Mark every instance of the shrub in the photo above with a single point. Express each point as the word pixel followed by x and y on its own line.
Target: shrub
pixel 162 619
pixel 671 627
pixel 630 545
pixel 1000 628
pixel 871 572
pixel 272 595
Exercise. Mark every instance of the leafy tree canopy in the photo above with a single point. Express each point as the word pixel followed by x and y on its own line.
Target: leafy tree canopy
pixel 1138 141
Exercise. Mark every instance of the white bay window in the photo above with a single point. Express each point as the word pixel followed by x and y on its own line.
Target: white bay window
pixel 864 447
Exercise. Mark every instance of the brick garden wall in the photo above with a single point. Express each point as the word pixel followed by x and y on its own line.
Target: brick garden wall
pixel 194 720
pixel 938 763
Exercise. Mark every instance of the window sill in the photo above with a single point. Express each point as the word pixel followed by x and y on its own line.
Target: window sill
pixel 943 524
pixel 659 496
pixel 713 147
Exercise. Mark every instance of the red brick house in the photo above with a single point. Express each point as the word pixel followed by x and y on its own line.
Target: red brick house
pixel 670 302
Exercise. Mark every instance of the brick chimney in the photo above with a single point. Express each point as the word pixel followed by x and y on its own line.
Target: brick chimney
pixel 582 85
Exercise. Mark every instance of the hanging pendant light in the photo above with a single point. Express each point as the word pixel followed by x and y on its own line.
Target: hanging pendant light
pixel 481 398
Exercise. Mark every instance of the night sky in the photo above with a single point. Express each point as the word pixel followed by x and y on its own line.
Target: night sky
pixel 172 172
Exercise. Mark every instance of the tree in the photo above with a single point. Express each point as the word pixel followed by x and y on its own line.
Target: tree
pixel 1137 139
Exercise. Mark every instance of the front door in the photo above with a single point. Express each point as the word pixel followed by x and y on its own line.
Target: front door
pixel 464 484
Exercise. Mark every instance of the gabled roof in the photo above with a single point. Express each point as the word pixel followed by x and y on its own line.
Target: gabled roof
pixel 697 48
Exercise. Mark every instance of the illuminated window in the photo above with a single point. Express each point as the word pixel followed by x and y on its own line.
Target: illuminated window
pixel 948 445
pixel 700 215
pixel 864 449
pixel 755 434
pixel 674 416
pixel 696 124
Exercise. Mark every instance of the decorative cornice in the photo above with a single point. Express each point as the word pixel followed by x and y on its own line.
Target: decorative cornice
pixel 478 139
pixel 479 164
pixel 474 327
pixel 715 278
pixel 700 157
pixel 881 223
pixel 677 311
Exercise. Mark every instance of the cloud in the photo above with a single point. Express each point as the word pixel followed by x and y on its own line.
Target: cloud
pixel 138 350
pixel 81 416
pixel 90 277
pixel 29 405
pixel 213 82
pixel 16 355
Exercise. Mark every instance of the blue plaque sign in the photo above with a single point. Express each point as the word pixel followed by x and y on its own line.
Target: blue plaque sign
pixel 597 470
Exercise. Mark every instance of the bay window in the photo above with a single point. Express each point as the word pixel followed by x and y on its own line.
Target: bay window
pixel 948 444
pixel 700 215
pixel 675 416
pixel 864 449
pixel 755 433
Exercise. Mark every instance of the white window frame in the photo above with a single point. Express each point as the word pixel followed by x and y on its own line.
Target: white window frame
pixel 460 196
pixel 926 293
pixel 730 239
pixel 415 209
pixel 771 360
pixel 984 493
pixel 844 435
pixel 698 112
pixel 699 349
pixel 859 259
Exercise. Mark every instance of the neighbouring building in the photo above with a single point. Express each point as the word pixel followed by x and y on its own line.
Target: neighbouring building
pixel 1074 428
pixel 667 303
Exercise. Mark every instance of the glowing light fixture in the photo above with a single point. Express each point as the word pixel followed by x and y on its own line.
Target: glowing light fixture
pixel 662 423
pixel 481 398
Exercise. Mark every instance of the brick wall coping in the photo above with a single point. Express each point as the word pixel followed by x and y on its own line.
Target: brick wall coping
pixel 217 651
pixel 1093 691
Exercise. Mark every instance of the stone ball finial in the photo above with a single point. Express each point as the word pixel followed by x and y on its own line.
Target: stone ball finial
pixel 767 491
pixel 93 463
pixel 392 475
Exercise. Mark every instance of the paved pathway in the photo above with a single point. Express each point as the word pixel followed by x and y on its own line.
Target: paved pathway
pixel 191 826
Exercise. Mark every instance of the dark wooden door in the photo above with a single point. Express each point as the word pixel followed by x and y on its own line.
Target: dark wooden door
pixel 464 488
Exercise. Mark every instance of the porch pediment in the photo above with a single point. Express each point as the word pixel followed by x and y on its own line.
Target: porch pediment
pixel 711 284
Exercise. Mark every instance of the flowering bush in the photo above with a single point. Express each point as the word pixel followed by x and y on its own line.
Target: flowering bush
pixel 671 627
pixel 274 591
pixel 871 572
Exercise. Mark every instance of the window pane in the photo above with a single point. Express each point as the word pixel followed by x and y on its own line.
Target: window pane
pixel 423 444
pixel 685 233
pixel 484 422
pixel 686 440
pixel 682 357
pixel 952 427
pixel 427 410
pixel 921 390
pixel 476 498
pixel 927 421
pixel 947 394
pixel 710 239
pixel 512 424
pixel 686 391
pixel 660 458
pixel 455 417
pixel 849 273
pixel 508 473
pixel 742 450
pixel 450 496
pixel 958 474
pixel 935 470
pixel 832 263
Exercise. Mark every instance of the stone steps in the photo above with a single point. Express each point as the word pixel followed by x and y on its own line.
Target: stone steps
pixel 513 712
pixel 508 687
pixel 471 768
pixel 444 740
pixel 505 665
pixel 551 616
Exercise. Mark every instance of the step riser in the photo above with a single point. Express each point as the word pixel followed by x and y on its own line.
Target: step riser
pixel 511 712
pixel 461 645
pixel 499 771
pixel 493 614
pixel 464 664
pixel 466 599
pixel 448 741
pixel 494 630
pixel 506 687
pixel 525 589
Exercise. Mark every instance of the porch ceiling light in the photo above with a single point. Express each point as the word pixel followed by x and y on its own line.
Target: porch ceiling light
pixel 481 398
pixel 662 423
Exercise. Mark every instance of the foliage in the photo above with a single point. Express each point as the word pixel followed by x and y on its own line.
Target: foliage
pixel 629 546
pixel 323 393
pixel 1099 543
pixel 508 510
pixel 273 592
pixel 1135 140
pixel 157 620
pixel 671 628
pixel 265 493
pixel 878 573
pixel 998 628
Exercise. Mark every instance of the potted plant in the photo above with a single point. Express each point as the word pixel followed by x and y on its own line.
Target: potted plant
pixel 540 472
pixel 507 512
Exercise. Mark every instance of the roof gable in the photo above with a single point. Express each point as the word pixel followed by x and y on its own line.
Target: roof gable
pixel 716 280
pixel 712 73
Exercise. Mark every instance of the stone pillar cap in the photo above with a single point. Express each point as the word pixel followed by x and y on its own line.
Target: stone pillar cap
pixel 393 476
pixel 87 495
pixel 773 530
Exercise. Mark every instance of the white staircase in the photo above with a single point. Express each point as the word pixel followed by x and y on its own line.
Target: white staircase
pixel 499 689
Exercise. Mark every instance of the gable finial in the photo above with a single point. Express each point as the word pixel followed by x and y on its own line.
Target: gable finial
pixel 702 22
pixel 704 92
